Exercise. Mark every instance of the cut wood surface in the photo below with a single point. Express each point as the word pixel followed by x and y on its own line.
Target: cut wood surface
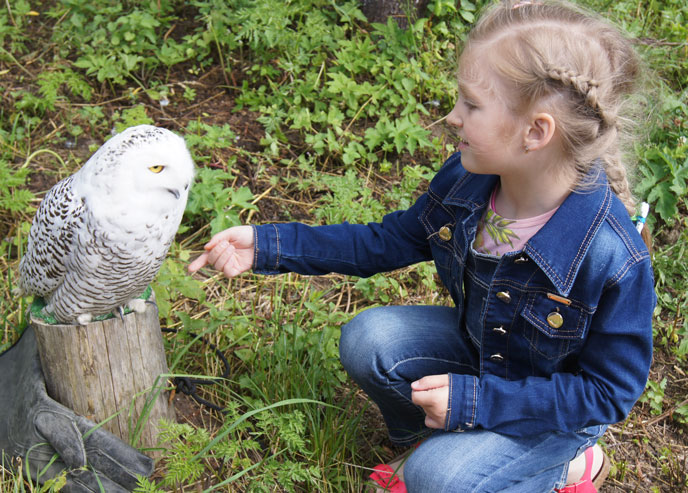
pixel 110 369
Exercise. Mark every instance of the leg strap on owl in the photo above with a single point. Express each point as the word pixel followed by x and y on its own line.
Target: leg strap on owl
pixel 188 385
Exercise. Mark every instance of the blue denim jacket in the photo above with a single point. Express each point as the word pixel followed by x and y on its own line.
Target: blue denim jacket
pixel 566 338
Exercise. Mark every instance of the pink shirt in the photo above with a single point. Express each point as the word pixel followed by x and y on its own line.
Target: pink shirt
pixel 498 235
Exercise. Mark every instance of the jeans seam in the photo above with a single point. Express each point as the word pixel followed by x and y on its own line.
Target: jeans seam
pixel 444 360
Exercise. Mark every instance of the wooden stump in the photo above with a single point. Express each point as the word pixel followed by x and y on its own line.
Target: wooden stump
pixel 107 368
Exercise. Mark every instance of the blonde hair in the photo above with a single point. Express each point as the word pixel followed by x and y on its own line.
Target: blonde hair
pixel 578 64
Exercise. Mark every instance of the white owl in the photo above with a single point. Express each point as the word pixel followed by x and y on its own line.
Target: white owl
pixel 100 235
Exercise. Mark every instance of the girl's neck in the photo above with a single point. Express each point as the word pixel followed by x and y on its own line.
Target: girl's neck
pixel 523 195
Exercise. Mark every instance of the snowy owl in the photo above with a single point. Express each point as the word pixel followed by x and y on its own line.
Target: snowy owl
pixel 101 234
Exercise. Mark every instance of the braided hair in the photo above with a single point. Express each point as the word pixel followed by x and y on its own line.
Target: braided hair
pixel 579 65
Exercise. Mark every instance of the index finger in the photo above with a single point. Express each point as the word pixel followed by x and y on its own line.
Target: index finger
pixel 201 261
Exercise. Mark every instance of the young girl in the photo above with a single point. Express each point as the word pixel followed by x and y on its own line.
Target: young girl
pixel 528 225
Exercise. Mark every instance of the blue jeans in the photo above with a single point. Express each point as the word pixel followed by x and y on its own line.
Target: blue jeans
pixel 384 349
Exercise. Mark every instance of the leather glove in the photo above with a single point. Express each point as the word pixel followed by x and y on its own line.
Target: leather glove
pixel 35 428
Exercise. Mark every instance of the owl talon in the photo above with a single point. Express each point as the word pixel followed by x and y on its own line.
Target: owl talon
pixel 120 312
pixel 138 305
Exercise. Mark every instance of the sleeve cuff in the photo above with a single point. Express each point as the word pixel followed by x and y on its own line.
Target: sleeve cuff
pixel 463 401
pixel 266 249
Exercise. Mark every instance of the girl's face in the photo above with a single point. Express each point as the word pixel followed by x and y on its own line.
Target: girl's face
pixel 487 130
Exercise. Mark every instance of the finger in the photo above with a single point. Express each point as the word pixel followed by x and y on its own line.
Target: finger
pixel 217 238
pixel 42 463
pixel 113 458
pixel 85 481
pixel 61 432
pixel 225 257
pixel 431 382
pixel 234 268
pixel 215 254
pixel 421 398
pixel 431 422
pixel 200 262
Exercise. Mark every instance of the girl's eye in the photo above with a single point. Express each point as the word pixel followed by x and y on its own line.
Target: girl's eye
pixel 469 106
pixel 157 168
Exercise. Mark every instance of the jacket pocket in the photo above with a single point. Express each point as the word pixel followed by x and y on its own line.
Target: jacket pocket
pixel 440 227
pixel 554 329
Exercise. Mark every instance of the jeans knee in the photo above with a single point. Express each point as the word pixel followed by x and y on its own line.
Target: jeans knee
pixel 357 342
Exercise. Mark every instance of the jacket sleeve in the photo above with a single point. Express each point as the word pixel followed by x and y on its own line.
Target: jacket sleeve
pixel 613 369
pixel 354 249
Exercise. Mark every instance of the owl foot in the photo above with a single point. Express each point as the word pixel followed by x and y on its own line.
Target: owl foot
pixel 48 311
pixel 84 318
pixel 138 305
pixel 120 312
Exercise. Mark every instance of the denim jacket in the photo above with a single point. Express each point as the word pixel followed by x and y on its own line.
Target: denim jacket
pixel 566 338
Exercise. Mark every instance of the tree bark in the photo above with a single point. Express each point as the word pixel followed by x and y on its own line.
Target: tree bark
pixel 110 369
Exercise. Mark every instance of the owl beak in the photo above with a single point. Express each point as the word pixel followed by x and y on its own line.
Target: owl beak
pixel 174 192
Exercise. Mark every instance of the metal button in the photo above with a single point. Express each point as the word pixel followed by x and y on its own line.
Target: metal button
pixel 521 259
pixel 499 330
pixel 497 358
pixel 445 233
pixel 504 296
pixel 555 320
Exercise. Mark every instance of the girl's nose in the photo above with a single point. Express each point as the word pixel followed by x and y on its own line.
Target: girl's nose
pixel 453 118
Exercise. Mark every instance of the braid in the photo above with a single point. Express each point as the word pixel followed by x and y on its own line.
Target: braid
pixel 585 87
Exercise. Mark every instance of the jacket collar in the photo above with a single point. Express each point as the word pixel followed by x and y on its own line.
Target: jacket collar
pixel 576 221
pixel 563 242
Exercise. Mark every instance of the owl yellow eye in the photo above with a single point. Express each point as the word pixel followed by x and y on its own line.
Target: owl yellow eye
pixel 157 168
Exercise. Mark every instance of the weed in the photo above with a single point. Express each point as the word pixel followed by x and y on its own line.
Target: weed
pixel 654 395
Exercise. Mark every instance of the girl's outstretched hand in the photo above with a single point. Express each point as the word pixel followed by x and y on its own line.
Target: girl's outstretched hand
pixel 432 394
pixel 229 251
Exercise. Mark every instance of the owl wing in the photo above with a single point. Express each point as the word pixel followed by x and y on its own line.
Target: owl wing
pixel 58 220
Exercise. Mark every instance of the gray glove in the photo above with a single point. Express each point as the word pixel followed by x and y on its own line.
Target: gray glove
pixel 35 427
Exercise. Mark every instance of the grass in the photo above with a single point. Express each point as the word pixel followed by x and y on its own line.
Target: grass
pixel 304 111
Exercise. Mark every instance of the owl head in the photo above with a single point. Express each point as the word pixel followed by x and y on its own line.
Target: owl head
pixel 143 171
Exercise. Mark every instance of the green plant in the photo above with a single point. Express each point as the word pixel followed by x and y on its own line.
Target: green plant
pixel 206 140
pixel 347 199
pixel 49 85
pixel 665 171
pixel 13 196
pixel 654 395
pixel 172 281
pixel 212 200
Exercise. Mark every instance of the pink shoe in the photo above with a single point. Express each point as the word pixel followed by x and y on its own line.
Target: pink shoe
pixel 385 478
pixel 588 484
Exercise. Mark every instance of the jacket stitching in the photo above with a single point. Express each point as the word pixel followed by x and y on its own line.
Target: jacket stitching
pixel 277 238
pixel 594 225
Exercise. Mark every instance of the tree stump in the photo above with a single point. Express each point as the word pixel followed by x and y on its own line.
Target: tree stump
pixel 110 371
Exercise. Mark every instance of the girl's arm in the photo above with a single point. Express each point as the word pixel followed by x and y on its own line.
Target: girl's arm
pixel 354 249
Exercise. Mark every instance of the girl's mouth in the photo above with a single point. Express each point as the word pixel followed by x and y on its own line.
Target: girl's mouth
pixel 463 144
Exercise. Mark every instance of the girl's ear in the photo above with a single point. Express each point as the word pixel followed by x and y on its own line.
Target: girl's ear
pixel 539 131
